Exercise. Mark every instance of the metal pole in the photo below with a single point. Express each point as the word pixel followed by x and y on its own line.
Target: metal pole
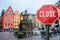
pixel 47 32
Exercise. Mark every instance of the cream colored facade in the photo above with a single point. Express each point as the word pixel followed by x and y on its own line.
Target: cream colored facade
pixel 58 8
pixel 38 23
pixel 32 19
pixel 16 20
pixel 35 21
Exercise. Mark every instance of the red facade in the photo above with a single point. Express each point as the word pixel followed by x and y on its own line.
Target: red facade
pixel 8 19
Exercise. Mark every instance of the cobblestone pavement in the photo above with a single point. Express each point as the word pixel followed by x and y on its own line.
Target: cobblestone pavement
pixel 10 36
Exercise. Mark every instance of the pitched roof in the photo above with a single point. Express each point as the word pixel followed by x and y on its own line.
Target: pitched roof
pixel 9 9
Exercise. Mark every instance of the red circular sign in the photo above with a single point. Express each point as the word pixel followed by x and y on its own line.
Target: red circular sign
pixel 47 14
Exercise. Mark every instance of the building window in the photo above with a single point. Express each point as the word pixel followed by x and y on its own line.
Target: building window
pixel 26 17
pixel 15 21
pixel 18 19
pixel 5 24
pixel 15 25
pixel 6 15
pixel 8 24
pixel 11 24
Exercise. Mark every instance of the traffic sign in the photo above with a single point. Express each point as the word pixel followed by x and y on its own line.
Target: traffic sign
pixel 47 14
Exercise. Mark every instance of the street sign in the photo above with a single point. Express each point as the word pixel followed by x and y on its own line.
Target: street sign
pixel 47 14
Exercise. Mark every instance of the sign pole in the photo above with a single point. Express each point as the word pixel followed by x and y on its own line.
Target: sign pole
pixel 47 15
pixel 47 32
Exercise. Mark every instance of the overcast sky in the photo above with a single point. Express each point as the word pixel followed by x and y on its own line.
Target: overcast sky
pixel 31 5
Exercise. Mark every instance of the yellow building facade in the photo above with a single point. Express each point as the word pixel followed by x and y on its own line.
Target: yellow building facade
pixel 16 20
